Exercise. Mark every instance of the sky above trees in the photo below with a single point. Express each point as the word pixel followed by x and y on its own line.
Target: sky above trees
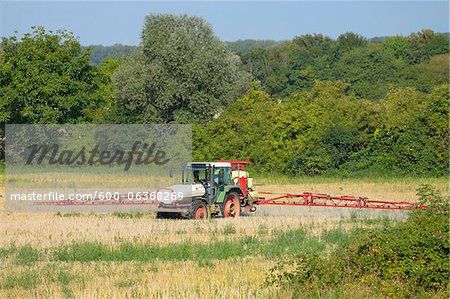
pixel 109 22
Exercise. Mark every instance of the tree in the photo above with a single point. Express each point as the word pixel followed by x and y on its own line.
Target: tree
pixel 430 73
pixel 398 44
pixel 116 51
pixel 180 73
pixel 401 107
pixel 246 45
pixel 45 77
pixel 350 40
pixel 369 70
pixel 107 112
pixel 425 44
pixel 411 138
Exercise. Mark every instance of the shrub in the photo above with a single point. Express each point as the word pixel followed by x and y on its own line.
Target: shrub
pixel 408 259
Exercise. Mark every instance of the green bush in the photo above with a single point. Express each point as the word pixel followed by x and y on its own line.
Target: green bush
pixel 404 260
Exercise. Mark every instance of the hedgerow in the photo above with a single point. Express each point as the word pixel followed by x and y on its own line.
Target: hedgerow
pixel 408 259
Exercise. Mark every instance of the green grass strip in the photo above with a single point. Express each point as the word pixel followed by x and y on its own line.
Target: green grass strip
pixel 286 243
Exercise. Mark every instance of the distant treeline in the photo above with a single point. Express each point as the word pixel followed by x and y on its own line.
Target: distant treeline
pixel 241 46
pixel 411 61
pixel 308 106
pixel 99 52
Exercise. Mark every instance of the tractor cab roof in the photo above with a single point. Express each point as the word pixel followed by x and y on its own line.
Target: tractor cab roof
pixel 215 164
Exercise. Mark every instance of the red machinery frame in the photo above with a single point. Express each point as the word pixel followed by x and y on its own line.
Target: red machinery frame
pixel 324 200
pixel 239 165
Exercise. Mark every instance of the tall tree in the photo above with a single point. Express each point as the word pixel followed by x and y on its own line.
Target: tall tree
pixel 45 77
pixel 181 73
pixel 350 40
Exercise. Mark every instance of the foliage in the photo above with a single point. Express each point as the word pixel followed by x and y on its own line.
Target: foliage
pixel 369 70
pixel 397 44
pixel 350 40
pixel 107 112
pixel 330 130
pixel 181 73
pixel 344 107
pixel 246 45
pixel 411 139
pixel 425 44
pixel 369 67
pixel 404 260
pixel 430 73
pixel 116 51
pixel 45 77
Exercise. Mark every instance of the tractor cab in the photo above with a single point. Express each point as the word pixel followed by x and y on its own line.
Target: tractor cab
pixel 213 176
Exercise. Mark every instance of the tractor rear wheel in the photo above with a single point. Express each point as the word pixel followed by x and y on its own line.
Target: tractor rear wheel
pixel 231 206
pixel 199 210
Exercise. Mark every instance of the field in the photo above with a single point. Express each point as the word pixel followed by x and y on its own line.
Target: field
pixel 135 255
pixel 343 124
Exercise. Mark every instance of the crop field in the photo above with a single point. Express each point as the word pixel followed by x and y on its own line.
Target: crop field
pixel 135 255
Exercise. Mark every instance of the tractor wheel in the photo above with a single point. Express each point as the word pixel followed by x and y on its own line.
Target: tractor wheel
pixel 199 210
pixel 231 206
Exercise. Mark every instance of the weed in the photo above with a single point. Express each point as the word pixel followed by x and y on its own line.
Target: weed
pixel 205 264
pixel 26 255
pixel 336 236
pixel 127 283
pixel 27 280
pixel 64 278
pixel 263 230
pixel 229 229
pixel 70 214
pixel 133 215
pixel 408 259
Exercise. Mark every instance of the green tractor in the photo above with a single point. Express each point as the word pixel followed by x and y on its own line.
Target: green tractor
pixel 209 189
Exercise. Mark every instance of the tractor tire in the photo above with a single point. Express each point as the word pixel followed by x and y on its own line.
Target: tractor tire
pixel 199 210
pixel 231 206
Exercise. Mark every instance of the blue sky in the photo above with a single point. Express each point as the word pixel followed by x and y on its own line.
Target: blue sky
pixel 109 22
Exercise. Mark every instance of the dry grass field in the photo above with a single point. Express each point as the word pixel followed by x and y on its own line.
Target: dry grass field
pixel 136 255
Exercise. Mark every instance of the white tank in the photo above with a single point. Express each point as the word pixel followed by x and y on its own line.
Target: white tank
pixel 183 192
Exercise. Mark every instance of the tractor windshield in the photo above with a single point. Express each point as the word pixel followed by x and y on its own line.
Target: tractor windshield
pixel 222 176
pixel 199 174
pixel 196 175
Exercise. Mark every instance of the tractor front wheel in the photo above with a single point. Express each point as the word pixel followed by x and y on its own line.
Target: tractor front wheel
pixel 231 206
pixel 199 210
